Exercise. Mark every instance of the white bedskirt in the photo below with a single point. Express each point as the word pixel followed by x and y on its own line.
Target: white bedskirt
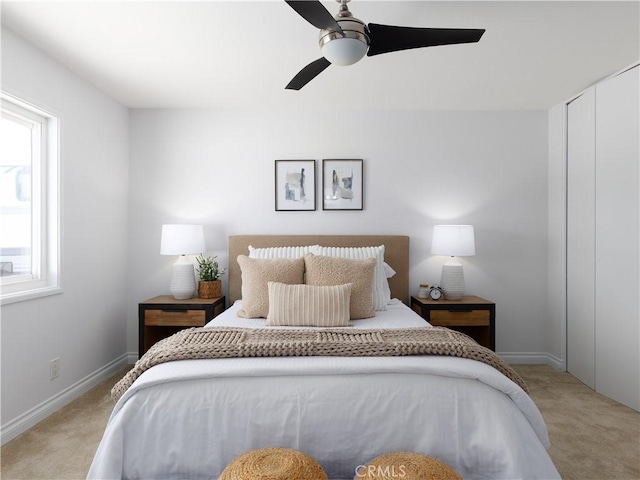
pixel 189 419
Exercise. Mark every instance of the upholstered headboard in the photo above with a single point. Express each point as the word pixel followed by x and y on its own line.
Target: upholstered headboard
pixel 396 255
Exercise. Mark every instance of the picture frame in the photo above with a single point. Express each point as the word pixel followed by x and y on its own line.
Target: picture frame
pixel 295 185
pixel 342 184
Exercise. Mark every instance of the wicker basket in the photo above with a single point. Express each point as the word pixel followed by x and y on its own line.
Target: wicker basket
pixel 273 464
pixel 406 465
pixel 210 289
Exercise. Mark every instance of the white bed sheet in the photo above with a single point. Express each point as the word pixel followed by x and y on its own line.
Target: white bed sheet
pixel 189 419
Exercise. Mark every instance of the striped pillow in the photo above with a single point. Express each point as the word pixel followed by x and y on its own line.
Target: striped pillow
pixel 279 252
pixel 308 305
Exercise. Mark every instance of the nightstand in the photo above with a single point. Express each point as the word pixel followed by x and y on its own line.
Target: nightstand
pixel 474 316
pixel 162 316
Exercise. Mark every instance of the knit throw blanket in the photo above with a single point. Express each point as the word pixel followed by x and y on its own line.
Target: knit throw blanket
pixel 225 342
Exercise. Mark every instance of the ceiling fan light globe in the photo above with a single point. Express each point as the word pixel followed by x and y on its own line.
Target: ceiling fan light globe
pixel 344 51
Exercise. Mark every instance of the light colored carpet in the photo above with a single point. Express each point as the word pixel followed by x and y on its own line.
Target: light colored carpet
pixel 62 445
pixel 593 438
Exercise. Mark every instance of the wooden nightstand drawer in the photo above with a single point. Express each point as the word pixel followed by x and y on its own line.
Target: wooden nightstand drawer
pixel 175 317
pixel 468 318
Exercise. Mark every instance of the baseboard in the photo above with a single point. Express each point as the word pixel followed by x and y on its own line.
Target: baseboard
pixel 132 357
pixel 24 422
pixel 533 358
pixel 556 362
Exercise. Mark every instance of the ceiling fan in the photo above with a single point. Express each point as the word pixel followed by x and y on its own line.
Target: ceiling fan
pixel 345 39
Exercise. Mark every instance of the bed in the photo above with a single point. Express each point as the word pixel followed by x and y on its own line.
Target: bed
pixel 191 418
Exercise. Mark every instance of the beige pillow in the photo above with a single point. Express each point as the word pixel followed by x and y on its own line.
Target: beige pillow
pixel 380 286
pixel 256 273
pixel 309 305
pixel 320 270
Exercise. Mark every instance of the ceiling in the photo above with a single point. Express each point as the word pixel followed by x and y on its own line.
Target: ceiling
pixel 241 54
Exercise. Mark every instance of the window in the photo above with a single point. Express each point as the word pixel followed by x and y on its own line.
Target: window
pixel 29 229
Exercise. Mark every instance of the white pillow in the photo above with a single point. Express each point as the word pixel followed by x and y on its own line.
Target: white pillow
pixel 381 290
pixel 308 305
pixel 279 252
pixel 388 271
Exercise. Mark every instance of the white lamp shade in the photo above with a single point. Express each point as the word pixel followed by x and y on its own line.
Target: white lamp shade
pixel 453 241
pixel 182 240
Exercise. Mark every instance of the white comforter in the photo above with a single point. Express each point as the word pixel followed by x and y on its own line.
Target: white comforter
pixel 189 419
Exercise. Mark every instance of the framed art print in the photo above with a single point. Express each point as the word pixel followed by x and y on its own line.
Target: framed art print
pixel 295 187
pixel 342 185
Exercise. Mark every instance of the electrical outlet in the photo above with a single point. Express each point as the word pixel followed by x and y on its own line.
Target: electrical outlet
pixel 54 368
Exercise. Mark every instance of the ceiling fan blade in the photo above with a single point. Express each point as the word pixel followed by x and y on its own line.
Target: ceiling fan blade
pixel 308 73
pixel 315 13
pixel 388 38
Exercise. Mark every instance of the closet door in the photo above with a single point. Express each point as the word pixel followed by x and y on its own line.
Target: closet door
pixel 617 286
pixel 581 238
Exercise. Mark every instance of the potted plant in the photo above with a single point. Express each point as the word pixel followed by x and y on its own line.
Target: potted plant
pixel 209 273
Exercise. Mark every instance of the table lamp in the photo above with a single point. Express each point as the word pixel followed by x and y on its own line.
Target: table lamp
pixel 182 240
pixel 453 241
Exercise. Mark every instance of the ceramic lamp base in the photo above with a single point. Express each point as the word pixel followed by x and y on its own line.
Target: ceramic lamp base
pixel 183 282
pixel 452 281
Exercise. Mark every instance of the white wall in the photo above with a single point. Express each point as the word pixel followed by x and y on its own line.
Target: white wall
pixel 556 249
pixel 85 325
pixel 488 169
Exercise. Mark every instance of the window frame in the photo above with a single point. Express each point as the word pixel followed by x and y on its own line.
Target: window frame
pixel 45 200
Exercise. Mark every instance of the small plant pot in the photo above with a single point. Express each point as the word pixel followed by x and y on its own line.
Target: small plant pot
pixel 210 289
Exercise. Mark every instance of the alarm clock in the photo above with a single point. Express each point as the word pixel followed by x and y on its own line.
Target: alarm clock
pixel 435 293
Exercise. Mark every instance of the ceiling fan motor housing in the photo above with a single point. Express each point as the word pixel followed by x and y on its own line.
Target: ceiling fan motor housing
pixel 348 47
